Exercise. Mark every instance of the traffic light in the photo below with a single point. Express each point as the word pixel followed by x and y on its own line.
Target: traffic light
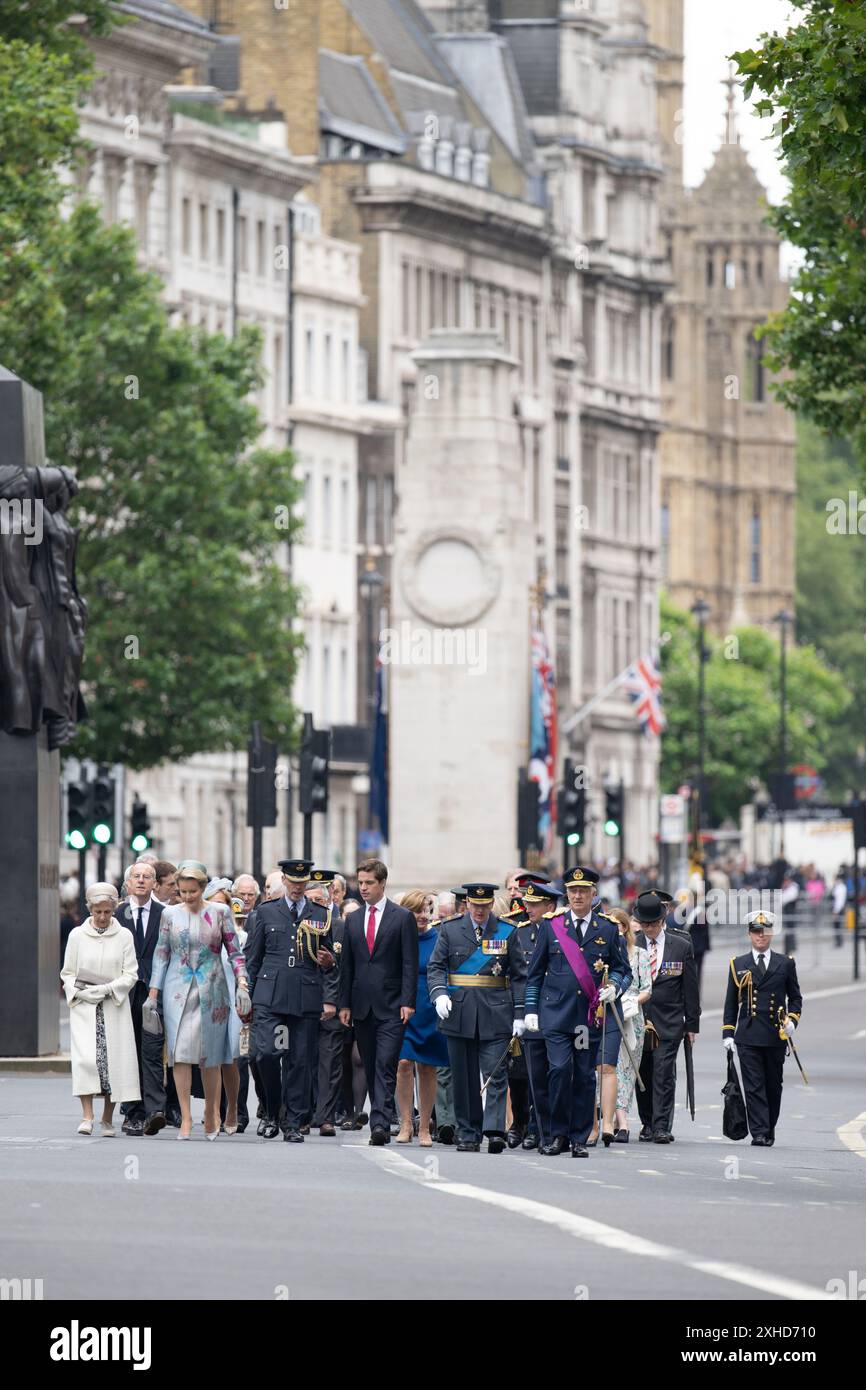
pixel 79 814
pixel 572 806
pixel 140 838
pixel 315 752
pixel 613 809
pixel 103 809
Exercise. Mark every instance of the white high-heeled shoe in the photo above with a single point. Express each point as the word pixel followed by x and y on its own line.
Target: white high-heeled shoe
pixel 213 1136
pixel 86 1127
pixel 231 1129
pixel 108 1130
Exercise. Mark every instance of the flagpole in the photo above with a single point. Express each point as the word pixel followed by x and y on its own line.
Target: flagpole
pixel 579 716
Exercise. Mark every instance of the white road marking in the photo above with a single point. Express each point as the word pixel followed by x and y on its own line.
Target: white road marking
pixel 853 1134
pixel 651 1172
pixel 597 1232
pixel 855 1036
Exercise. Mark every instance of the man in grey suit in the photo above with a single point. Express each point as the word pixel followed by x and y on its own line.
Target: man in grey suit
pixel 474 966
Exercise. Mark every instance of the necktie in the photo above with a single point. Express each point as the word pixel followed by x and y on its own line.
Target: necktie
pixel 653 959
pixel 139 933
pixel 371 930
pixel 760 968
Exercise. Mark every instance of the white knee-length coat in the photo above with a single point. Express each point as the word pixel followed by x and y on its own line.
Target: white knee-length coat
pixel 111 955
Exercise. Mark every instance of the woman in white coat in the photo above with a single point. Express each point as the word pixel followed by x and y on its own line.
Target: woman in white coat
pixel 99 970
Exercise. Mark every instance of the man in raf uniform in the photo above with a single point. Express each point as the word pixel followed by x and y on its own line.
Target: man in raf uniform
pixel 539 901
pixel 289 987
pixel 762 1008
pixel 672 1012
pixel 563 989
pixel 474 967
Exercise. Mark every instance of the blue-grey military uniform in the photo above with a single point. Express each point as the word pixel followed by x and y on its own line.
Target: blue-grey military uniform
pixel 532 1045
pixel 480 1024
pixel 288 989
pixel 554 994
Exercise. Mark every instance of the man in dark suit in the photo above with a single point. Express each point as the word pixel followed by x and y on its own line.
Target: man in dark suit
pixel 328 1044
pixel 378 987
pixel 289 989
pixel 573 950
pixel 672 1011
pixel 141 914
pixel 762 1008
pixel 474 976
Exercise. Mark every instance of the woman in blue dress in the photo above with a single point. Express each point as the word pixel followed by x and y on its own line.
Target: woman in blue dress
pixel 424 1047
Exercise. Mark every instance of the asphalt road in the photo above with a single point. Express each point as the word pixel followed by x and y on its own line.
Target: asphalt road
pixel 249 1218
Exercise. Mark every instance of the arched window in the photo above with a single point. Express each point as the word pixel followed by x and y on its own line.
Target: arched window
pixel 754 369
pixel 668 331
pixel 755 546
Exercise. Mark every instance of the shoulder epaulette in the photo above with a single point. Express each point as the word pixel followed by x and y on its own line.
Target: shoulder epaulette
pixel 452 918
pixel 551 913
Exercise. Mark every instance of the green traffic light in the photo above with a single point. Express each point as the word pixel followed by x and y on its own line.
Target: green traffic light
pixel 76 840
pixel 611 827
pixel 572 839
pixel 102 833
pixel 139 843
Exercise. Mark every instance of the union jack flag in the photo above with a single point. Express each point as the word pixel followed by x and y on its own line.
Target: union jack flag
pixel 542 733
pixel 643 683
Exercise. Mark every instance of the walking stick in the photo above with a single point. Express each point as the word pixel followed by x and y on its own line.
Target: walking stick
pixel 631 1057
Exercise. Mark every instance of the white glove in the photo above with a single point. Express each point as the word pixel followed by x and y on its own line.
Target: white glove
pixel 607 995
pixel 242 1003
pixel 443 1006
pixel 728 1044
pixel 630 1007
pixel 788 1027
pixel 92 994
pixel 519 1028
pixel 531 1023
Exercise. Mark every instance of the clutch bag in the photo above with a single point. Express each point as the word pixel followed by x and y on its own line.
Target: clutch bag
pixel 90 977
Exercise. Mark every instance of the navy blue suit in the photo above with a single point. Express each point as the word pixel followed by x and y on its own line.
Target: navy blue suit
pixel 553 992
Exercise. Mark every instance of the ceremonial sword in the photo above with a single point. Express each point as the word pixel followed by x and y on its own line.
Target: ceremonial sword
pixel 782 1019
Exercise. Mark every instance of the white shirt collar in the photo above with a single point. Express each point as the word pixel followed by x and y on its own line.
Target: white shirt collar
pixel 766 954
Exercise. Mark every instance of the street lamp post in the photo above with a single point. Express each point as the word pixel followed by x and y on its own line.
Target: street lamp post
pixel 783 618
pixel 700 610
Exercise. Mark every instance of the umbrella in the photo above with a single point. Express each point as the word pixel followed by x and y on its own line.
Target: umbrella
pixel 690 1078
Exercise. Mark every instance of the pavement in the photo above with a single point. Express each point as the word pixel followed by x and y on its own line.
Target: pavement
pixel 702 1219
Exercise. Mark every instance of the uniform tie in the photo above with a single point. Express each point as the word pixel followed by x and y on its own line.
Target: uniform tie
pixel 139 933
pixel 653 959
pixel 371 930
pixel 760 968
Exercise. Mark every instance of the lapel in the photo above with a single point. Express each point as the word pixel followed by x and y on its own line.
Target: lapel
pixel 774 960
pixel 153 920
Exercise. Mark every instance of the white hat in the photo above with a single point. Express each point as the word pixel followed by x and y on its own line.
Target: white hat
pixel 765 920
pixel 100 893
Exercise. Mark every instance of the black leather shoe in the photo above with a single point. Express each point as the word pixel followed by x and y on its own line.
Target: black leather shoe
pixel 347 1124
pixel 579 1151
pixel 305 1129
pixel 260 1128
pixel 174 1117
pixel 132 1127
pixel 293 1136
pixel 621 1136
pixel 530 1142
pixel 467 1148
pixel 379 1136
pixel 607 1137
pixel 242 1125
pixel 514 1138
pixel 646 1135
pixel 327 1130
pixel 154 1123
pixel 495 1144
pixel 556 1147
pixel 445 1134
pixel 662 1137
pixel 762 1142
pixel 269 1130
pixel 360 1121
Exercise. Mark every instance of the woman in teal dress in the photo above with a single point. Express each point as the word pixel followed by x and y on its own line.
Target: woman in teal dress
pixel 424 1048
pixel 188 968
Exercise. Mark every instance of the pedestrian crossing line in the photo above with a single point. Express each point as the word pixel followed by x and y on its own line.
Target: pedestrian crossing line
pixel 595 1232
pixel 853 1135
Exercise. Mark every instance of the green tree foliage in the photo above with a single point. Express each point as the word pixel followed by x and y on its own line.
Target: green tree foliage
pixel 813 81
pixel 183 520
pixel 742 709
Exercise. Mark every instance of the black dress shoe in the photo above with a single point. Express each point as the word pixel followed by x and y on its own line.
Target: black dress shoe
pixel 269 1130
pixel 327 1130
pixel 495 1144
pixel 761 1141
pixel 530 1142
pixel 514 1138
pixel 556 1147
pixel 465 1147
pixel 132 1127
pixel 260 1114
pixel 293 1136
pixel 360 1121
pixel 579 1151
pixel 445 1134
pixel 379 1136
pixel 621 1136
pixel 260 1128
pixel 662 1137
pixel 347 1124
pixel 242 1125
pixel 154 1123
pixel 646 1135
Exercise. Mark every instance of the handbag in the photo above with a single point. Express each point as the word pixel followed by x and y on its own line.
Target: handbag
pixel 84 978
pixel 151 1019
pixel 734 1121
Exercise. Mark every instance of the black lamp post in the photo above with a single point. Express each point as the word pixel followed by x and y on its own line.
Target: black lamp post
pixel 701 610
pixel 783 618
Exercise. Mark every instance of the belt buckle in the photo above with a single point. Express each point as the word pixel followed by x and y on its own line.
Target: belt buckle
pixel 291 961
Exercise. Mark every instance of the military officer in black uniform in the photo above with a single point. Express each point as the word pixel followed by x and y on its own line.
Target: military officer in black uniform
pixel 475 965
pixel 762 1008
pixel 539 901
pixel 556 1002
pixel 289 987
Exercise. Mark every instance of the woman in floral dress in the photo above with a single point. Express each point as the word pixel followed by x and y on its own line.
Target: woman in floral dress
pixel 631 1004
